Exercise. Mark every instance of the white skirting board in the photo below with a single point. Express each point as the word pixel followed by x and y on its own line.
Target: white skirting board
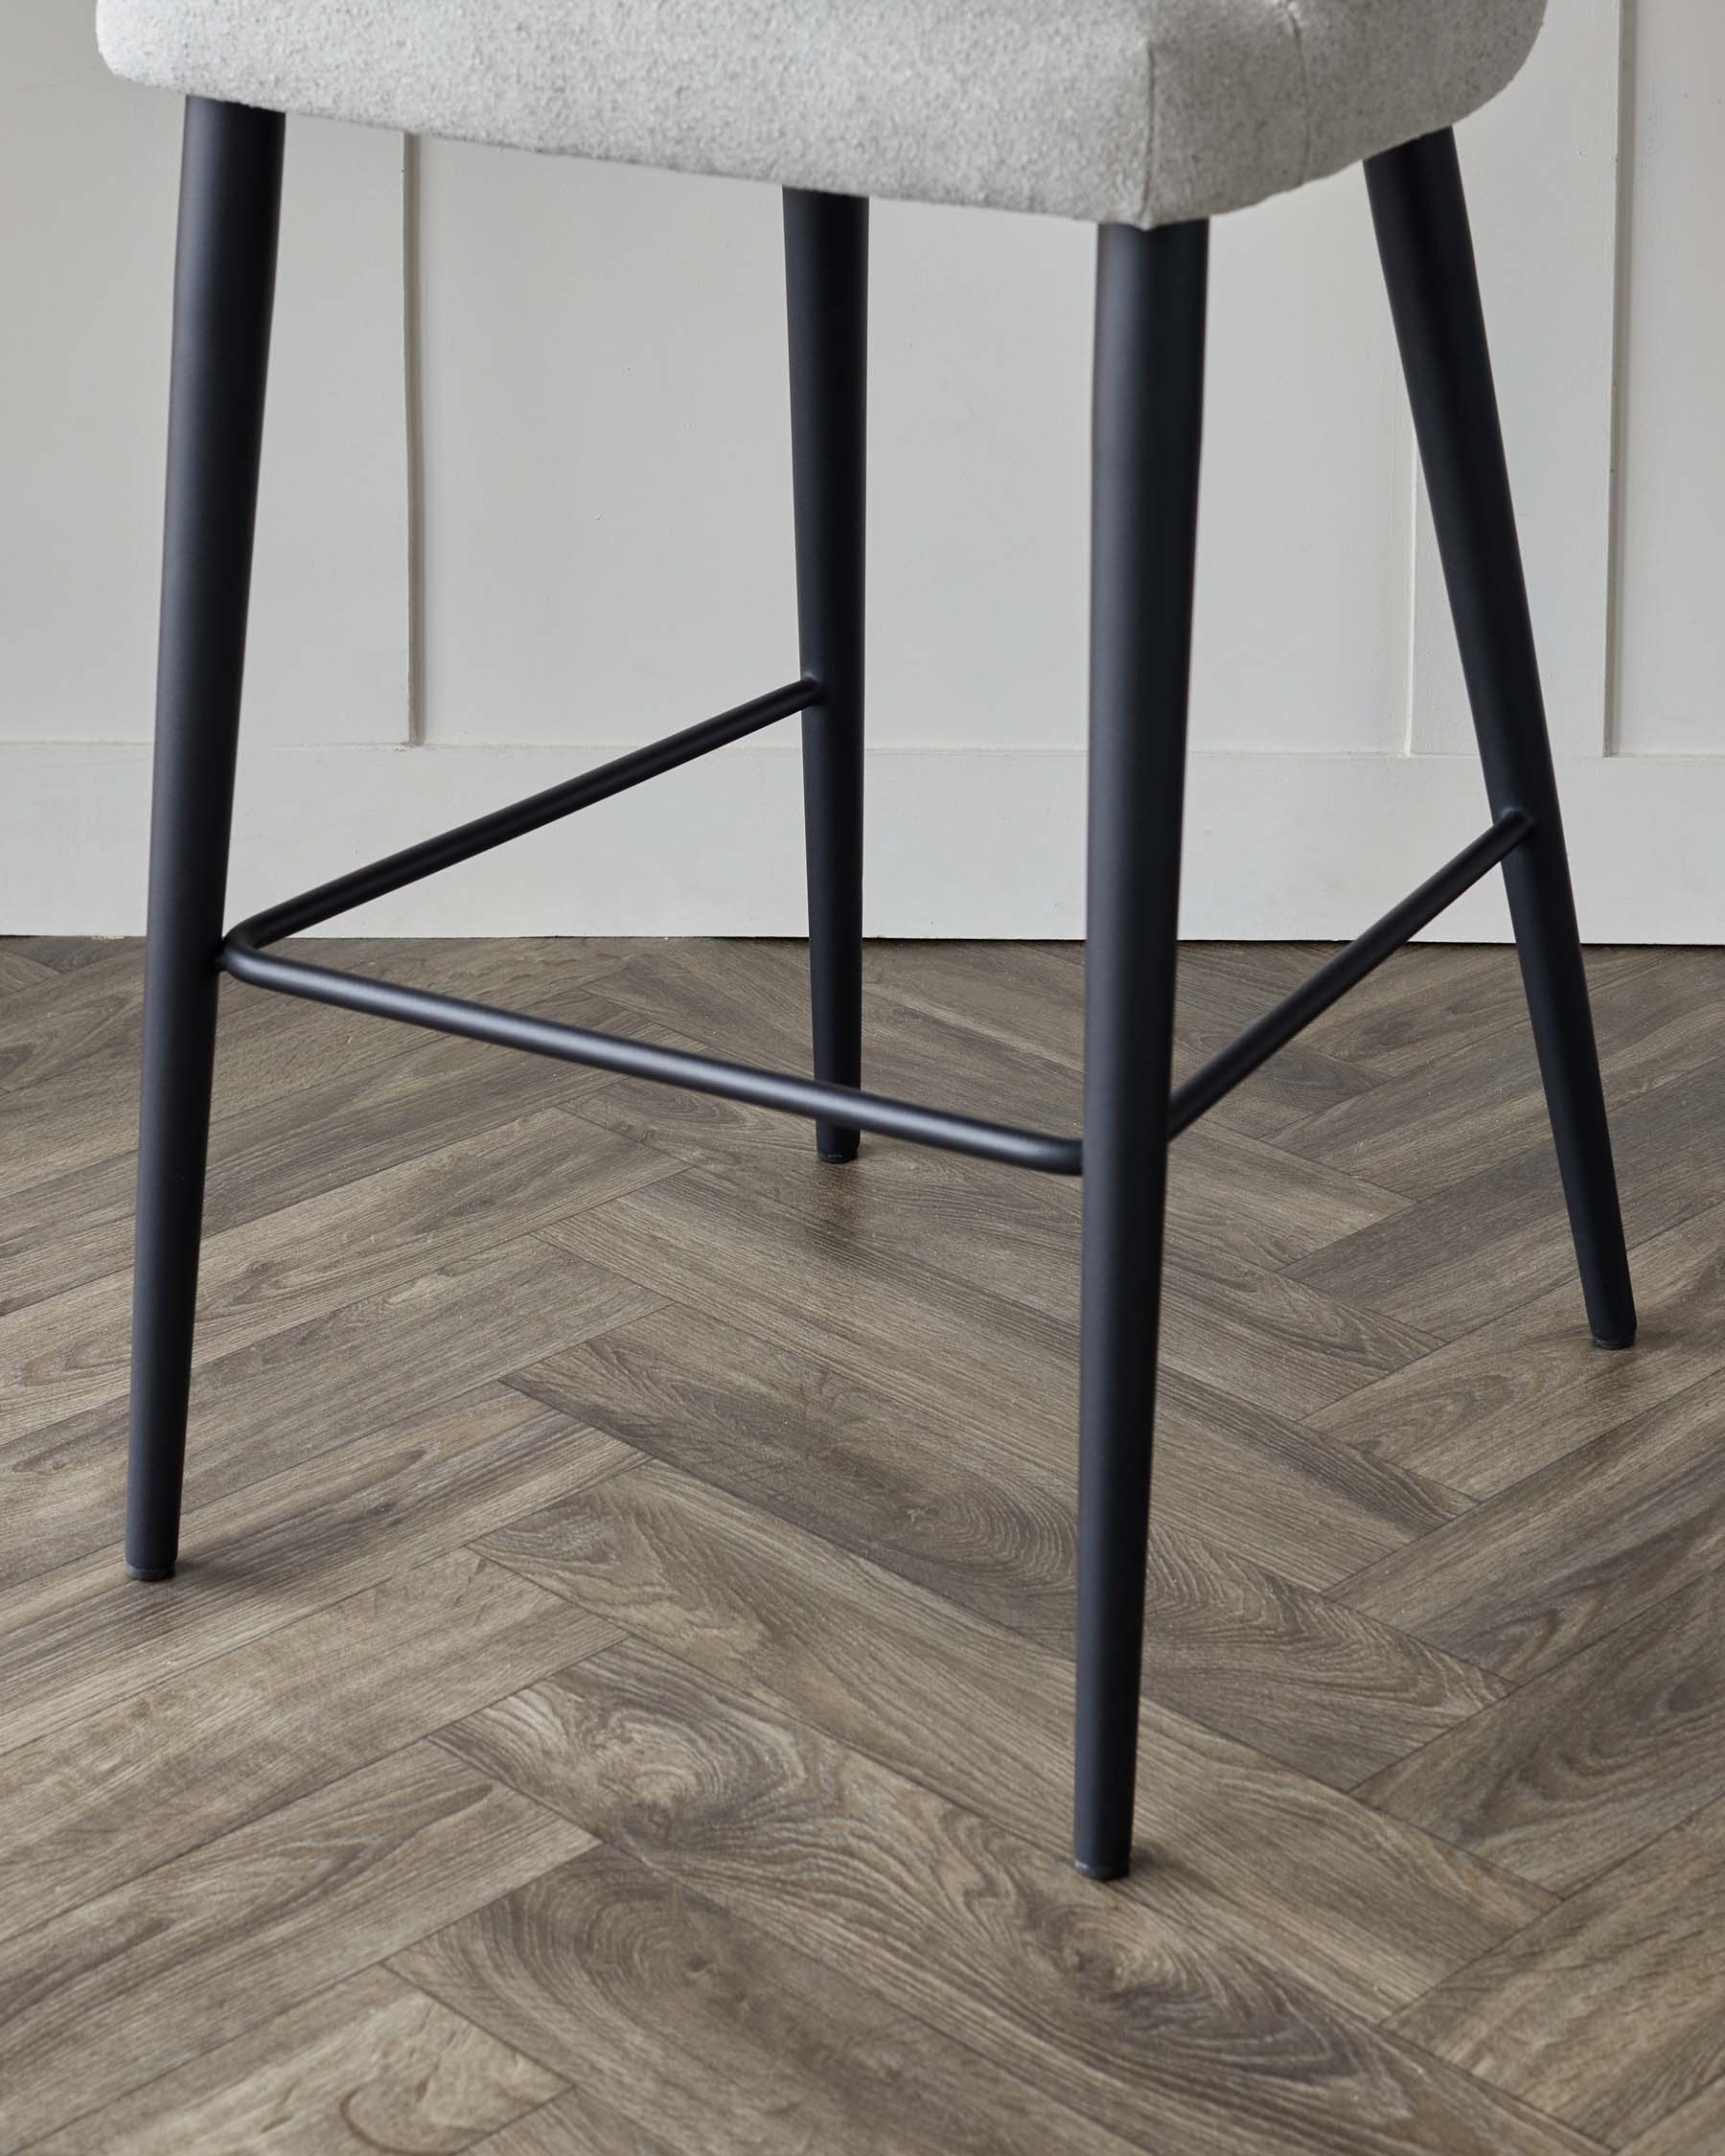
pixel 962 842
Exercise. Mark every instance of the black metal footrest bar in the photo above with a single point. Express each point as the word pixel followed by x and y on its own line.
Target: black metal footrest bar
pixel 1332 980
pixel 246 956
pixel 667 1066
pixel 468 839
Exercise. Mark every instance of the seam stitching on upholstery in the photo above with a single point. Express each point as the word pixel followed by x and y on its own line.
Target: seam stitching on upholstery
pixel 1290 9
pixel 1145 211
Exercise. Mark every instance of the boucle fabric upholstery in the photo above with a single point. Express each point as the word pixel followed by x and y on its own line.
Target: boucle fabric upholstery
pixel 1130 111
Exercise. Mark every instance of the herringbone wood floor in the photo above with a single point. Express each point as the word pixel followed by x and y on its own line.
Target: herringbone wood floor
pixel 615 1699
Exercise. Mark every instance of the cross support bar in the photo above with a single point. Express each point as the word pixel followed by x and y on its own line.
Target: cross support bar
pixel 1333 979
pixel 451 847
pixel 665 1066
pixel 246 957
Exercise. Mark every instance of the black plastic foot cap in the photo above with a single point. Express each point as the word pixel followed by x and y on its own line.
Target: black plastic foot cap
pixel 1612 1345
pixel 138 1572
pixel 1100 1870
pixel 838 1160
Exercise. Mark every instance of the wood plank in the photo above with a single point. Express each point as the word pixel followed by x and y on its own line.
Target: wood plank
pixel 61 1357
pixel 69 1054
pixel 539 974
pixel 1584 1765
pixel 1454 1115
pixel 1500 1237
pixel 1104 2001
pixel 1034 991
pixel 955 1350
pixel 1262 1484
pixel 749 1001
pixel 44 1028
pixel 1245 1202
pixel 1609 2011
pixel 745 998
pixel 193 1954
pixel 1234 981
pixel 1232 1202
pixel 65 1031
pixel 1247 1650
pixel 1695 2128
pixel 1454 1262
pixel 1243 1850
pixel 1503 1402
pixel 209 1748
pixel 691 2021
pixel 371 1366
pixel 579 2124
pixel 44 1137
pixel 1268 1488
pixel 18 971
pixel 1289 1091
pixel 370 2064
pixel 64 955
pixel 1429 1001
pixel 1566 1557
pixel 1027 995
pixel 286 1146
pixel 1031 996
pixel 942 1063
pixel 1235 1209
pixel 1435 1000
pixel 1224 987
pixel 77 1639
pixel 1271 1339
pixel 950 1505
pixel 69 1059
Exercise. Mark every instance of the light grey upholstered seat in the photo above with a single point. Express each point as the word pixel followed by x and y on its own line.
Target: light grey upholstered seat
pixel 1130 111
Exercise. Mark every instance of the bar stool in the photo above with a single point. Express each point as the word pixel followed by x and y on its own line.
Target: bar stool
pixel 1141 117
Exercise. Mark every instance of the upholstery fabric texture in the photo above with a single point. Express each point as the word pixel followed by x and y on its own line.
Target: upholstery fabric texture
pixel 1116 111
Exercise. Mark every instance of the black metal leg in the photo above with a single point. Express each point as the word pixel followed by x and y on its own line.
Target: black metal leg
pixel 826 291
pixel 1420 211
pixel 1148 418
pixel 224 279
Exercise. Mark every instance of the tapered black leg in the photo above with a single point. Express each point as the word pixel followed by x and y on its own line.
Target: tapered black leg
pixel 826 290
pixel 224 279
pixel 1148 418
pixel 1420 212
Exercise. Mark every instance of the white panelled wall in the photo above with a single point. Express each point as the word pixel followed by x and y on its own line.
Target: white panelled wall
pixel 526 501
